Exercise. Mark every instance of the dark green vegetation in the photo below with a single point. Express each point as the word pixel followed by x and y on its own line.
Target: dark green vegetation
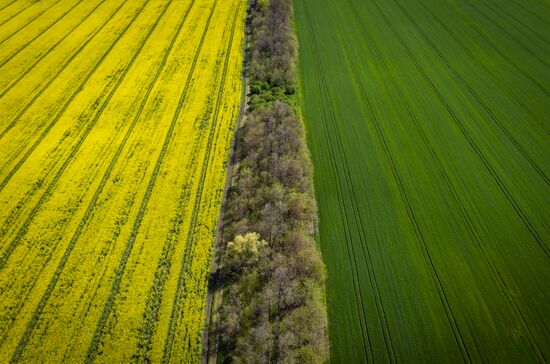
pixel 428 123
pixel 274 306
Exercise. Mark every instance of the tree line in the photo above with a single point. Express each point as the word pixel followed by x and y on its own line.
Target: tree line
pixel 274 307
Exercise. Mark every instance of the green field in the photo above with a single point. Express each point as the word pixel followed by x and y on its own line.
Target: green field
pixel 428 123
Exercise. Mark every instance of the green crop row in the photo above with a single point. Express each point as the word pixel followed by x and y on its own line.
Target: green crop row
pixel 427 123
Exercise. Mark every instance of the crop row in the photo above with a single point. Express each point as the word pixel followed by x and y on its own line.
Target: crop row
pixel 94 243
pixel 427 136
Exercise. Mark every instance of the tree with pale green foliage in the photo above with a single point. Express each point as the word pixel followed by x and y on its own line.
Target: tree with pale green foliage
pixel 263 3
pixel 245 250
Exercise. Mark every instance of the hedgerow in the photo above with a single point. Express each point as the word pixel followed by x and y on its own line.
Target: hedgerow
pixel 274 308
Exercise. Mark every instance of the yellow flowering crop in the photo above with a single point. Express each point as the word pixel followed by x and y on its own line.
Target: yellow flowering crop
pixel 115 126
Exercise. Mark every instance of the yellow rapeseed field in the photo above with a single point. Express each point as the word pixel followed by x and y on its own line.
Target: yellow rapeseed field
pixel 115 125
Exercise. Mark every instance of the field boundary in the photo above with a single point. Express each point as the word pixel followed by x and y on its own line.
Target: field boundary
pixel 214 296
